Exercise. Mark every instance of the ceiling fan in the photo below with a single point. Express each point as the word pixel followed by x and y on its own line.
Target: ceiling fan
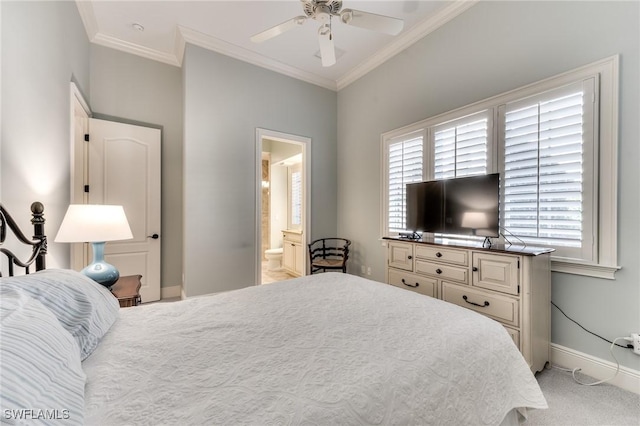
pixel 323 11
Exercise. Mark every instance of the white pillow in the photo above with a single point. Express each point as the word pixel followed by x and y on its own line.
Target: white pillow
pixel 41 372
pixel 85 308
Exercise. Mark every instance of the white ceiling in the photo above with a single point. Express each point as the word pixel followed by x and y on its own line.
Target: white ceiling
pixel 226 26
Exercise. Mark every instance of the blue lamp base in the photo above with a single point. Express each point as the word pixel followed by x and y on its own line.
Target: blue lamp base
pixel 100 271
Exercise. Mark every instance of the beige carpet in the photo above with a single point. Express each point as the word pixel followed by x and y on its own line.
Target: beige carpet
pixel 573 404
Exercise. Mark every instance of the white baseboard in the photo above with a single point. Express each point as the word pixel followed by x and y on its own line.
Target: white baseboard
pixel 627 378
pixel 171 292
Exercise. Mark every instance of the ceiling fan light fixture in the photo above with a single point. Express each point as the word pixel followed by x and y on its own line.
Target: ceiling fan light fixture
pixel 322 11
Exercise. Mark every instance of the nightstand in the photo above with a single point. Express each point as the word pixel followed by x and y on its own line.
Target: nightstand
pixel 127 290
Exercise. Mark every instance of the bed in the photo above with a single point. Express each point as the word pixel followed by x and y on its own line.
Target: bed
pixel 325 349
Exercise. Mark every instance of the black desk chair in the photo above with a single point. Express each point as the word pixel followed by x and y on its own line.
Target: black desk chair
pixel 329 254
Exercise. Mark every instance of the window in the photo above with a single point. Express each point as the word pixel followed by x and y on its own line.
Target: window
pixel 547 189
pixel 404 165
pixel 554 143
pixel 295 196
pixel 460 147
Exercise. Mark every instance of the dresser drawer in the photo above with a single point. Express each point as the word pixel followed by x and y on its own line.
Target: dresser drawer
pixel 445 272
pixel 501 308
pixel 456 257
pixel 422 285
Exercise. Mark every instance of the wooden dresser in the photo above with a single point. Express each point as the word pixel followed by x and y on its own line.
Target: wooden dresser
pixel 512 284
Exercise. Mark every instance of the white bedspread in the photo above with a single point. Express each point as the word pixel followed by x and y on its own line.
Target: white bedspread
pixel 331 349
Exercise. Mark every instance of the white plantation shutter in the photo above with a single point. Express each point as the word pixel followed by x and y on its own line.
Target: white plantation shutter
pixel 296 198
pixel 460 147
pixel 546 199
pixel 555 145
pixel 405 165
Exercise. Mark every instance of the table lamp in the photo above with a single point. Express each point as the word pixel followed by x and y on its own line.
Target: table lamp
pixel 95 224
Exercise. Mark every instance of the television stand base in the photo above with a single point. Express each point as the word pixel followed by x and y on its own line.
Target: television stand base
pixel 487 242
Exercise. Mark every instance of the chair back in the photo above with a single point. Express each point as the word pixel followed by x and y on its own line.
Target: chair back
pixel 329 254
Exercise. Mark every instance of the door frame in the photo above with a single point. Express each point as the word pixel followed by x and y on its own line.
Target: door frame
pixel 78 172
pixel 305 143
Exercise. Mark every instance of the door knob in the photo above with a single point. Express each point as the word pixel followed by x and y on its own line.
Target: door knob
pixel 154 236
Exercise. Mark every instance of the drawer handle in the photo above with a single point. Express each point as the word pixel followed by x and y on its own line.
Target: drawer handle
pixel 438 254
pixel 409 257
pixel 438 271
pixel 474 269
pixel 486 303
pixel 409 285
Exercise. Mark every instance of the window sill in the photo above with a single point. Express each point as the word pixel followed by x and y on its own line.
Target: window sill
pixel 586 269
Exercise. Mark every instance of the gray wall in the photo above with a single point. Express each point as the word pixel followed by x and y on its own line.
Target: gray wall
pixel 225 100
pixel 136 90
pixel 44 48
pixel 491 48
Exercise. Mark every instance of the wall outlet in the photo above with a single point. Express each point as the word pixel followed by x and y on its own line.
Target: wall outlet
pixel 368 270
pixel 363 269
pixel 636 343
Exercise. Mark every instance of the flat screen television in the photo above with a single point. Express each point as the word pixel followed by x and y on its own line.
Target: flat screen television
pixel 462 206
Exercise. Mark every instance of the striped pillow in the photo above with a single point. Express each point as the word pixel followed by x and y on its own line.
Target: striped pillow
pixel 41 374
pixel 85 308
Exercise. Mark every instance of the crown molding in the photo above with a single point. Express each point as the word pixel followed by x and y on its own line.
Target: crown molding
pixel 186 35
pixel 85 8
pixel 136 49
pixel 180 46
pixel 211 43
pixel 405 40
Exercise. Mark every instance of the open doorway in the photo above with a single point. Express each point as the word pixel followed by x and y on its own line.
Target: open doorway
pixel 282 199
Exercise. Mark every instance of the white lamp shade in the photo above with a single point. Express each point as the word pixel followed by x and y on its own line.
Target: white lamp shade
pixel 93 223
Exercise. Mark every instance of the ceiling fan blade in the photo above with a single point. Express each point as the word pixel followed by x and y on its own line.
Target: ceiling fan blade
pixel 371 21
pixel 279 29
pixel 327 50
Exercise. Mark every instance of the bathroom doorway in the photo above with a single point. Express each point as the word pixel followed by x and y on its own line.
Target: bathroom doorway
pixel 282 200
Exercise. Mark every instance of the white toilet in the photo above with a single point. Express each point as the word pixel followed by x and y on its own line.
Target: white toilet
pixel 274 259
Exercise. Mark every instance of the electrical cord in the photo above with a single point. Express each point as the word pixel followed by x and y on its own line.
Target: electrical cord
pixel 613 343
pixel 575 370
pixel 591 332
pixel 513 235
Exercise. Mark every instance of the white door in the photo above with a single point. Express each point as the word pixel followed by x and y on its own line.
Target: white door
pixel 124 169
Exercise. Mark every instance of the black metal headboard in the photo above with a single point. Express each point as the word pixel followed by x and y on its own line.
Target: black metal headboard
pixel 38 244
